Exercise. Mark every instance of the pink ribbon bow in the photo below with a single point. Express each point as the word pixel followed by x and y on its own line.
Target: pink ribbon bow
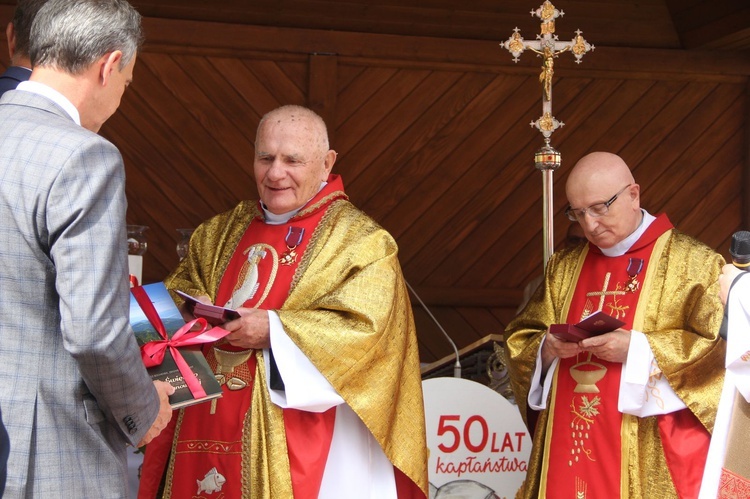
pixel 153 352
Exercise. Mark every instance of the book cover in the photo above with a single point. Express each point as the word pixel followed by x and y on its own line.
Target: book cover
pixel 214 314
pixel 595 324
pixel 167 370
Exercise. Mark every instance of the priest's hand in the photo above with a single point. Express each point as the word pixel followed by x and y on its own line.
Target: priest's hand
pixel 612 346
pixel 251 330
pixel 555 347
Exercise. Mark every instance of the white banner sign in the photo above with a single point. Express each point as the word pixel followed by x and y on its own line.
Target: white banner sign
pixel 479 445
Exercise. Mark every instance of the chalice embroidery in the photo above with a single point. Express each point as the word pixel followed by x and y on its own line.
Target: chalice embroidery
pixel 587 374
pixel 227 362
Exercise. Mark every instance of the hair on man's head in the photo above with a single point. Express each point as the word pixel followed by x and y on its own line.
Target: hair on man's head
pixel 71 35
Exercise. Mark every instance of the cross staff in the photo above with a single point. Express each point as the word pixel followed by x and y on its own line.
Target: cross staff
pixel 547 46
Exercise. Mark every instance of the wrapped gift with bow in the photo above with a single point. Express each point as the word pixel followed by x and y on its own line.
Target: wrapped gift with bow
pixel 171 348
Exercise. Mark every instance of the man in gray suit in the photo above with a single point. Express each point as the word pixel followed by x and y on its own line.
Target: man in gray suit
pixel 73 389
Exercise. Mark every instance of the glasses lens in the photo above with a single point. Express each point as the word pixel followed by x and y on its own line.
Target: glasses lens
pixel 598 210
pixel 595 210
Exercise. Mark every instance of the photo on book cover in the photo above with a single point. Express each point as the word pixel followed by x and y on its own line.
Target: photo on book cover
pixel 168 312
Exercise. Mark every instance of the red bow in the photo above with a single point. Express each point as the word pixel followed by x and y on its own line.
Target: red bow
pixel 153 352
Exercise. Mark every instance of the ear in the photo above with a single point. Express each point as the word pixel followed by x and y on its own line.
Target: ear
pixel 107 64
pixel 328 161
pixel 10 35
pixel 635 194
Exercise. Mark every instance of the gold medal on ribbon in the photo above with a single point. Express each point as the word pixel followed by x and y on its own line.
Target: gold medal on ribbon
pixel 635 265
pixel 292 240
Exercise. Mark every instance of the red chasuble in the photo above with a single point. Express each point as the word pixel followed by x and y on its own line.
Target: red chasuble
pixel 583 447
pixel 207 453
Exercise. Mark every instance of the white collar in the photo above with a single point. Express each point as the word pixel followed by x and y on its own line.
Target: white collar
pixel 52 94
pixel 623 246
pixel 274 219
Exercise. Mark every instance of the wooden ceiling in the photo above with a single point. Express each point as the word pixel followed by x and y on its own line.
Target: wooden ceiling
pixel 430 118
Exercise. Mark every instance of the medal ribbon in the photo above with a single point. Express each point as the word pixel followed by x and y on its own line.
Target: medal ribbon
pixel 632 263
pixel 292 240
pixel 294 236
pixel 635 265
pixel 153 352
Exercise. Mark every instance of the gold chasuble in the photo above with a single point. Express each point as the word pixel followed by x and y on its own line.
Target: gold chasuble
pixel 333 277
pixel 666 286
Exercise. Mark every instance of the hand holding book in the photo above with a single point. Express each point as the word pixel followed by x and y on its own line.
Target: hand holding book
pixel 593 325
pixel 213 314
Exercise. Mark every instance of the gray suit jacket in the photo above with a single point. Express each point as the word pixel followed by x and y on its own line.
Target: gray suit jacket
pixel 73 389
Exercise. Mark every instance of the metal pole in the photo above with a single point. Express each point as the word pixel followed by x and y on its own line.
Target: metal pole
pixel 548 239
pixel 547 160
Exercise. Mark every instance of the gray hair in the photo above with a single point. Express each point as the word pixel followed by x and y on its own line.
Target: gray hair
pixel 23 17
pixel 71 35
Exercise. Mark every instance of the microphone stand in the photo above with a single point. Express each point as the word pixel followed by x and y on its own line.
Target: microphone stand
pixel 457 365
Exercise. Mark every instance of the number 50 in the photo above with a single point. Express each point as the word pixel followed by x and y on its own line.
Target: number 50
pixel 445 426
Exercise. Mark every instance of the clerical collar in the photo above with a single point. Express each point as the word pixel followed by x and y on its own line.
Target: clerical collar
pixel 623 246
pixel 274 219
pixel 52 94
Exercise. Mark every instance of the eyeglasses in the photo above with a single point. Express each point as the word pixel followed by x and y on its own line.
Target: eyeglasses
pixel 595 210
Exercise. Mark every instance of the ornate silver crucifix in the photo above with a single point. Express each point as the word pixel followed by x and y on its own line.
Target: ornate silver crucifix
pixel 547 46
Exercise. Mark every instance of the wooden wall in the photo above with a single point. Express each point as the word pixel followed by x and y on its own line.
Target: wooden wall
pixel 434 142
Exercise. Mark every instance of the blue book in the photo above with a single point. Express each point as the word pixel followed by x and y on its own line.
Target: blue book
pixel 167 371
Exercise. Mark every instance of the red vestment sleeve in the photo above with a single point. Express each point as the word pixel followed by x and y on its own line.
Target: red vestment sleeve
pixel 308 438
pixel 685 442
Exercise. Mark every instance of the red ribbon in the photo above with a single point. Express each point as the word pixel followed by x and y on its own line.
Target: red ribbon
pixel 153 352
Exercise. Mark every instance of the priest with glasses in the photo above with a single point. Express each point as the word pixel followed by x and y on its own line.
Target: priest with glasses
pixel 627 413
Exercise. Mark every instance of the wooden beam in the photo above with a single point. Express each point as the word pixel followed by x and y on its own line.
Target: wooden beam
pixel 709 24
pixel 206 38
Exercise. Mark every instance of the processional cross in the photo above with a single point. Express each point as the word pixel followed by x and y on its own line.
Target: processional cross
pixel 548 47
